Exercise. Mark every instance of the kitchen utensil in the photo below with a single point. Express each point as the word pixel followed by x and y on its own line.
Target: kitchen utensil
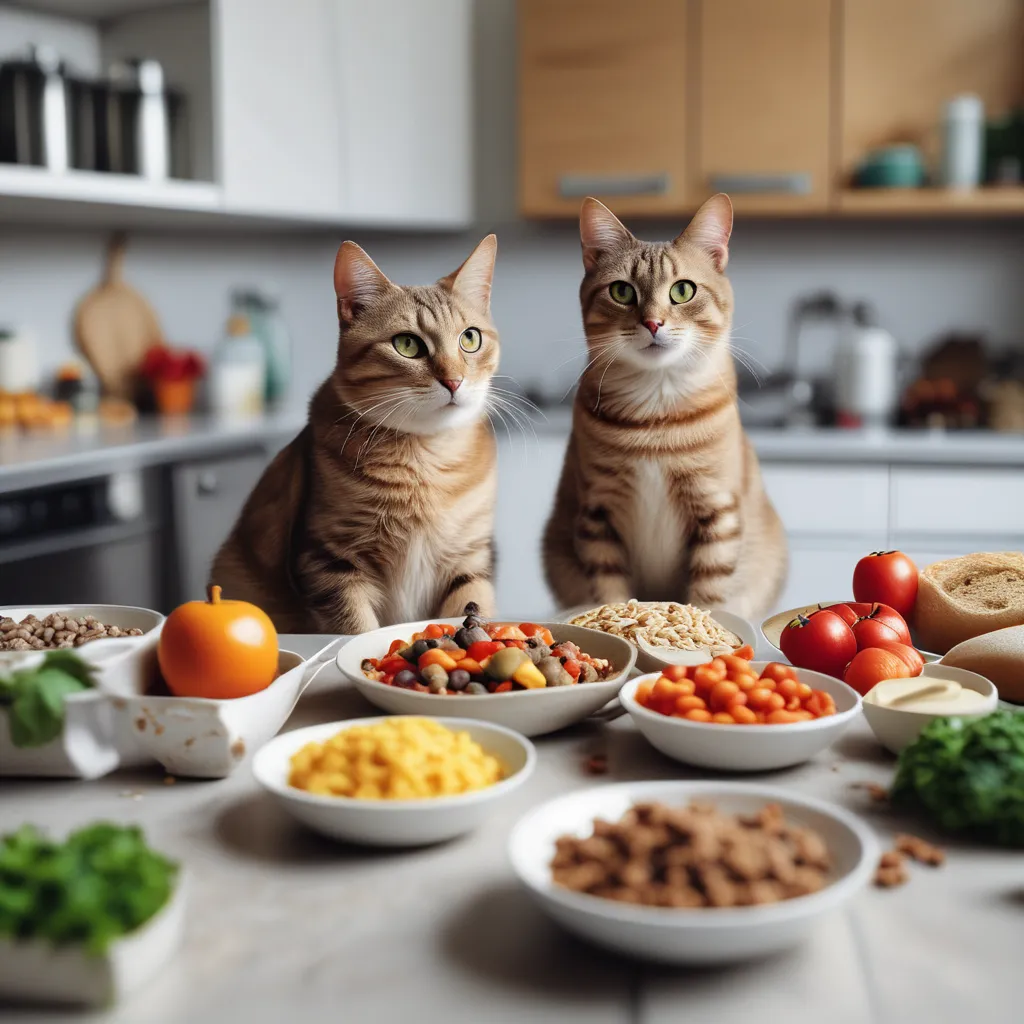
pixel 963 142
pixel 530 712
pixel 745 748
pixel 712 935
pixel 866 373
pixel 33 111
pixel 394 822
pixel 19 370
pixel 115 327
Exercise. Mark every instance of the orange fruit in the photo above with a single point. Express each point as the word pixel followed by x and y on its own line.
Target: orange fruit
pixel 217 649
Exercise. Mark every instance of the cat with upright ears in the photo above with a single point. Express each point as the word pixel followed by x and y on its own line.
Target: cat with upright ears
pixel 381 510
pixel 661 496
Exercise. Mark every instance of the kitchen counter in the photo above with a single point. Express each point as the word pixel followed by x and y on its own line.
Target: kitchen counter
pixel 40 458
pixel 283 924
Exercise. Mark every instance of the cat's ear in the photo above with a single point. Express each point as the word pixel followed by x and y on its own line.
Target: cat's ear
pixel 357 281
pixel 472 281
pixel 600 230
pixel 710 229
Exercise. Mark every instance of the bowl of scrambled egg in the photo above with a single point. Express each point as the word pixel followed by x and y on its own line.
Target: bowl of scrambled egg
pixel 402 780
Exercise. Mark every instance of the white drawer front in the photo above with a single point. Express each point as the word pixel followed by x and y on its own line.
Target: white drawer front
pixel 830 500
pixel 975 502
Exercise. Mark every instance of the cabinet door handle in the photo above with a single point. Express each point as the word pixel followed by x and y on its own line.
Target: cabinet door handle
pixel 796 184
pixel 576 186
pixel 207 484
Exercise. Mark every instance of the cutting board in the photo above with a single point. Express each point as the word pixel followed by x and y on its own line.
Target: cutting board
pixel 115 327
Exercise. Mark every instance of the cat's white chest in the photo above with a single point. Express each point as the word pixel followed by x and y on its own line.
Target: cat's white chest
pixel 657 537
pixel 417 583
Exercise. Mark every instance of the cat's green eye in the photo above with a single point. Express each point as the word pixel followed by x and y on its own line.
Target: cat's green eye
pixel 471 340
pixel 409 345
pixel 682 291
pixel 622 292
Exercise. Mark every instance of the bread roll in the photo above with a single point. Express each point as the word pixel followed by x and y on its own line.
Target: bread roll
pixel 965 597
pixel 997 656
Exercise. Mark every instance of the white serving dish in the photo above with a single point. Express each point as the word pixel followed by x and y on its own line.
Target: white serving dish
pixel 530 712
pixel 648 661
pixel 772 627
pixel 896 728
pixel 745 748
pixel 393 822
pixel 122 615
pixel 38 972
pixel 697 936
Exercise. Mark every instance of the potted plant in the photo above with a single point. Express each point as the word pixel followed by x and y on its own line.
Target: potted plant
pixel 172 375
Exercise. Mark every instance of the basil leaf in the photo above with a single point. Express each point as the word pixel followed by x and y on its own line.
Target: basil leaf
pixel 36 715
pixel 71 664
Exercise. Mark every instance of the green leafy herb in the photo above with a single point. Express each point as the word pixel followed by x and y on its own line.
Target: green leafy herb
pixel 968 774
pixel 35 697
pixel 100 884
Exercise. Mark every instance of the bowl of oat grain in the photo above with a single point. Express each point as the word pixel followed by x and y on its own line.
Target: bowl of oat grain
pixel 668 632
pixel 56 626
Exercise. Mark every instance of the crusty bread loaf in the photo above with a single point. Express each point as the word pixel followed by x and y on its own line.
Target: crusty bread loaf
pixel 965 597
pixel 998 656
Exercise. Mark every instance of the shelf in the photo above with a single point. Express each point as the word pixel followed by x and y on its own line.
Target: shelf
pixel 95 10
pixel 932 202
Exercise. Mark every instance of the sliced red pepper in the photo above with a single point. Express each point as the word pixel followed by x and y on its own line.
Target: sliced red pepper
pixel 396 646
pixel 393 665
pixel 483 649
pixel 572 667
pixel 503 687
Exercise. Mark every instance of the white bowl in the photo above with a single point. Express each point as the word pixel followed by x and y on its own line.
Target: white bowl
pixel 530 712
pixel 745 748
pixel 39 972
pixel 772 627
pixel 702 935
pixel 122 615
pixel 393 822
pixel 896 728
pixel 647 661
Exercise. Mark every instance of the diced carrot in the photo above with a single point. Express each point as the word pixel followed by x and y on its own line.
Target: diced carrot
pixel 447 628
pixel 433 631
pixel 503 687
pixel 457 653
pixel 532 629
pixel 436 656
pixel 746 652
pixel 469 665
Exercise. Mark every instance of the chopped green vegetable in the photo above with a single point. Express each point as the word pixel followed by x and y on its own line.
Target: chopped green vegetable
pixel 100 884
pixel 34 697
pixel 968 774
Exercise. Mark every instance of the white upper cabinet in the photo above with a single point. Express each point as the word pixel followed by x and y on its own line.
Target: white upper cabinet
pixel 406 109
pixel 278 124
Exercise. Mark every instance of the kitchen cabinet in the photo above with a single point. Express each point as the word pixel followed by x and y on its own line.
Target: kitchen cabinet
pixel 764 101
pixel 604 105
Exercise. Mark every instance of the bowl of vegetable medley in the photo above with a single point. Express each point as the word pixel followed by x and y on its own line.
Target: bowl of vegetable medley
pixel 534 677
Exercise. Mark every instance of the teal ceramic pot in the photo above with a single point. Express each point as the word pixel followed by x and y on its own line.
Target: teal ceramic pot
pixel 892 167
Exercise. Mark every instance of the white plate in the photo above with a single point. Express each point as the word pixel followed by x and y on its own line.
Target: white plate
pixel 647 661
pixel 393 822
pixel 41 973
pixel 530 712
pixel 698 936
pixel 745 748
pixel 896 728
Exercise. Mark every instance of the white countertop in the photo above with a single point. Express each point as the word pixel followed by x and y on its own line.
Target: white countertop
pixel 284 925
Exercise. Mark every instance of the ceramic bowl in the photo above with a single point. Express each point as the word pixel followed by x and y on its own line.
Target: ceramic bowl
pixel 393 822
pixel 530 712
pixel 648 661
pixel 699 936
pixel 745 748
pixel 37 972
pixel 772 627
pixel 121 615
pixel 896 728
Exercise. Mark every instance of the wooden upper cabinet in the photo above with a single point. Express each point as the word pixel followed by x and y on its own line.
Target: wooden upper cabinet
pixel 903 59
pixel 603 105
pixel 765 88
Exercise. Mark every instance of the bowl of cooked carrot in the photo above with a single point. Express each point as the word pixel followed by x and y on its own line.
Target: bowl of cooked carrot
pixel 738 715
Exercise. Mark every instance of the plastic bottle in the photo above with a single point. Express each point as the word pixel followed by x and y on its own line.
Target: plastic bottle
pixel 963 142
pixel 238 378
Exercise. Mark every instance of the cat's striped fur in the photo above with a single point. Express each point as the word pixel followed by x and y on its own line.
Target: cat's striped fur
pixel 661 496
pixel 381 510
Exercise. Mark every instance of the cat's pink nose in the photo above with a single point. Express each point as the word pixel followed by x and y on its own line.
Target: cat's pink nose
pixel 653 325
pixel 452 384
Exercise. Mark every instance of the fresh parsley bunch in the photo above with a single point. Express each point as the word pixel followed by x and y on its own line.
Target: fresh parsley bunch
pixel 34 697
pixel 101 883
pixel 968 774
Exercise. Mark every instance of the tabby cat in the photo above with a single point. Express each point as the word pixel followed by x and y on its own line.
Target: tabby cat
pixel 661 496
pixel 381 510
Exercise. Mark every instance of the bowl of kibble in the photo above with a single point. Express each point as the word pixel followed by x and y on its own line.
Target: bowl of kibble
pixel 691 872
pixel 401 780
pixel 62 626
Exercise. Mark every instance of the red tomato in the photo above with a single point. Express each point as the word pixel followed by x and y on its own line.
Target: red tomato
pixel 821 642
pixel 887 576
pixel 910 655
pixel 845 612
pixel 869 667
pixel 483 649
pixel 891 617
pixel 873 632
